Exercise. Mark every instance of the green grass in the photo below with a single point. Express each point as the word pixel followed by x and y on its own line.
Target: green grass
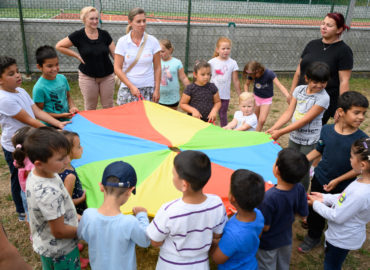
pixel 33 13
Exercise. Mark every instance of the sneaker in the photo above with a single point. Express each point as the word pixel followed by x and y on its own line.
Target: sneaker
pixel 22 217
pixel 308 244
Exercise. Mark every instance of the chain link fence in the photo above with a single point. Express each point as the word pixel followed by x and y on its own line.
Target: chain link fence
pixel 273 32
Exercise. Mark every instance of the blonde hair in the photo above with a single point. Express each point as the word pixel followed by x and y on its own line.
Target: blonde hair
pixel 246 96
pixel 85 11
pixel 253 66
pixel 219 41
pixel 167 44
pixel 131 15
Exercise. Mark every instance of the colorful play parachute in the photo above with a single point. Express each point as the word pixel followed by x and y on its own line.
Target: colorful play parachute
pixel 149 136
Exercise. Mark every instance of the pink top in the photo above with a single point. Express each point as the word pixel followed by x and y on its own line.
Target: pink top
pixel 23 172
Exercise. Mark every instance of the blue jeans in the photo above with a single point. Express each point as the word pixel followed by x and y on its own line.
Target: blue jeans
pixel 14 182
pixel 334 257
pixel 25 206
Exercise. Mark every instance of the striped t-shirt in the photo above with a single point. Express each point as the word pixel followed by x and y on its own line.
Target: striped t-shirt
pixel 187 231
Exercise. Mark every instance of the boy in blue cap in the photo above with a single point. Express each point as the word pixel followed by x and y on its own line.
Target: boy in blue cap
pixel 110 234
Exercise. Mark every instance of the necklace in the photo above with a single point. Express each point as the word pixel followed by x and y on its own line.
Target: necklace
pixel 325 46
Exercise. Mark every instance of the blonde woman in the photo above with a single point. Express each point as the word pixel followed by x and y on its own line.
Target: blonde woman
pixel 137 61
pixel 94 45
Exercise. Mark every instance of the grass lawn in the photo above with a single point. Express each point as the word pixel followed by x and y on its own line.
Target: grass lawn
pixel 49 13
pixel 33 13
pixel 146 257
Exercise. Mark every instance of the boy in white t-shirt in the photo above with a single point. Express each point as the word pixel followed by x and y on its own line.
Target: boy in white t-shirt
pixel 245 119
pixel 185 228
pixel 17 110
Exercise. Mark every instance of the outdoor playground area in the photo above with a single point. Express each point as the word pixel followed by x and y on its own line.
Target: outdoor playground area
pixel 17 232
pixel 167 17
pixel 146 257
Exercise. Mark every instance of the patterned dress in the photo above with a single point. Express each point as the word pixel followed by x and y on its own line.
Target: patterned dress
pixel 77 190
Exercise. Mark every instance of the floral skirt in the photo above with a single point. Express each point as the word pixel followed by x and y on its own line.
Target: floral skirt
pixel 124 94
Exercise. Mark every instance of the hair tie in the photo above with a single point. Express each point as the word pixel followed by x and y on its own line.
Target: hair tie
pixel 18 146
pixel 365 144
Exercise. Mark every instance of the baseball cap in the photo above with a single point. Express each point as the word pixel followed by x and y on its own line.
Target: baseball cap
pixel 123 171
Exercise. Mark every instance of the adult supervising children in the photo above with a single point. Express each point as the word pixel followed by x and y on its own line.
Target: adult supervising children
pixel 94 45
pixel 331 50
pixel 137 61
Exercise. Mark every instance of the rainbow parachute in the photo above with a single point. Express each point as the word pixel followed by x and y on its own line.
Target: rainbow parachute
pixel 149 136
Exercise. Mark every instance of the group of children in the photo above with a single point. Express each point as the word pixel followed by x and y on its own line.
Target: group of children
pixel 209 94
pixel 191 228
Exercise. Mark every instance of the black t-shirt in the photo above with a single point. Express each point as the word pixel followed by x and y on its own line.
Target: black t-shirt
pixel 338 56
pixel 95 53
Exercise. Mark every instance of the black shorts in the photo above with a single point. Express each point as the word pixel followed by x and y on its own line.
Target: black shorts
pixel 170 105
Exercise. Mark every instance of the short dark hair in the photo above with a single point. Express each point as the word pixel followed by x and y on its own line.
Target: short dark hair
pixel 248 189
pixel 116 191
pixel 42 142
pixel 318 72
pixel 6 62
pixel 194 167
pixel 352 98
pixel 292 165
pixel 45 52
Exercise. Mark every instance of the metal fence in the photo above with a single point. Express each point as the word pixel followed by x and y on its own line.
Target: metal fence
pixel 273 32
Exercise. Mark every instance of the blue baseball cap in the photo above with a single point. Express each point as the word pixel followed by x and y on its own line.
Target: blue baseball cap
pixel 123 171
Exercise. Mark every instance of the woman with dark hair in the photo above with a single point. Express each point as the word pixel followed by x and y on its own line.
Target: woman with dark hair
pixel 331 50
pixel 137 61
pixel 94 45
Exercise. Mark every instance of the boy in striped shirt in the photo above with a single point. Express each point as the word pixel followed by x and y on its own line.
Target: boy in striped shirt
pixel 184 228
